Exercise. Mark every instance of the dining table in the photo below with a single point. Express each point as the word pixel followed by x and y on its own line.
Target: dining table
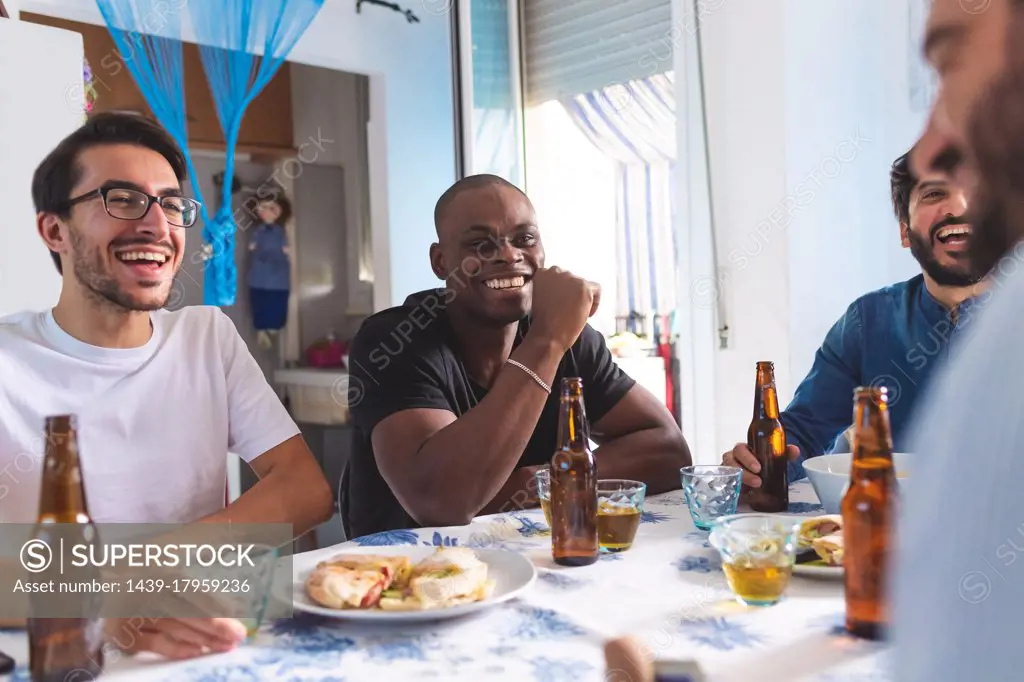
pixel 668 590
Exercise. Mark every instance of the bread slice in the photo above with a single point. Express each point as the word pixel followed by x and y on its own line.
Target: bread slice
pixel 339 587
pixel 395 569
pixel 448 575
pixel 819 526
pixel 830 548
pixel 407 601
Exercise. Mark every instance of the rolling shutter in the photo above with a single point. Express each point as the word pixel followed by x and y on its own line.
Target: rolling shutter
pixel 577 46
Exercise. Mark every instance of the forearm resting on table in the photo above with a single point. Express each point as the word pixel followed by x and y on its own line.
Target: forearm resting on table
pixel 518 493
pixel 464 466
pixel 653 456
pixel 283 495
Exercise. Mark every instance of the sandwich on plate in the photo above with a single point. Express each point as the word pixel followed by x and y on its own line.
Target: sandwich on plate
pixel 355 581
pixel 829 548
pixel 817 527
pixel 450 576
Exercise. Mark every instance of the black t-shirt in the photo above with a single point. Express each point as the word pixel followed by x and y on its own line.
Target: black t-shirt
pixel 404 358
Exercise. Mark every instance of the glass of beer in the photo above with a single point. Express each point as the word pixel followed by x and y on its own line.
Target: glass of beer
pixel 757 551
pixel 619 506
pixel 543 479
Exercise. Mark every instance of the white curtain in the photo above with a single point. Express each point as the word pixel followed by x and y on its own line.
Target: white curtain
pixel 634 123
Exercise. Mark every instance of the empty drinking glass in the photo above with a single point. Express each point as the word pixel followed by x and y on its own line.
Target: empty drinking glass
pixel 711 492
pixel 251 586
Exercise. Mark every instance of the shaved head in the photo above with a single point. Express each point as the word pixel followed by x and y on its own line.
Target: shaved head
pixel 471 182
pixel 487 240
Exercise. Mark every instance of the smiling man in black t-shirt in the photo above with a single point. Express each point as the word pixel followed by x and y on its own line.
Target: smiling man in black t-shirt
pixel 454 396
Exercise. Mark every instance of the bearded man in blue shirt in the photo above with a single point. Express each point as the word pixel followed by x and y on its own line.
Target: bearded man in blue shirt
pixel 894 337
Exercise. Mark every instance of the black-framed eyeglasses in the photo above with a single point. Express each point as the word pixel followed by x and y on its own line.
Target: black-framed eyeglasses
pixel 131 204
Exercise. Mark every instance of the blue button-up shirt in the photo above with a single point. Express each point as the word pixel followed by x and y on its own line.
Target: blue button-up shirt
pixel 894 337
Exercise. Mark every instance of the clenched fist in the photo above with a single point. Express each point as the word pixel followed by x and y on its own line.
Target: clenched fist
pixel 562 303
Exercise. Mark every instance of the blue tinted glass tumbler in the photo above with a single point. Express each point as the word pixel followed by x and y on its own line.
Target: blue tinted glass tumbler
pixel 711 492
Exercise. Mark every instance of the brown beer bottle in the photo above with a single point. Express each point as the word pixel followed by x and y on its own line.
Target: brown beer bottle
pixel 869 515
pixel 573 483
pixel 767 441
pixel 64 648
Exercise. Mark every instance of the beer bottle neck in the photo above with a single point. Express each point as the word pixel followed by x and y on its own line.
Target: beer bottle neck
pixel 573 430
pixel 62 495
pixel 62 503
pixel 872 437
pixel 766 402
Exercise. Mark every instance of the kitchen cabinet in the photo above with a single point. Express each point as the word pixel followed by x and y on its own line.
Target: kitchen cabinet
pixel 266 127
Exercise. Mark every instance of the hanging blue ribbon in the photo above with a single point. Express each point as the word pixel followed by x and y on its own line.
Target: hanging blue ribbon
pixel 242 43
pixel 155 63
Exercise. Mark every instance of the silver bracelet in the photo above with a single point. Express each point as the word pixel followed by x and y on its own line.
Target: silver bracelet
pixel 531 373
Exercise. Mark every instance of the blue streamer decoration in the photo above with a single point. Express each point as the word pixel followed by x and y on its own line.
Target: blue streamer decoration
pixel 154 60
pixel 242 44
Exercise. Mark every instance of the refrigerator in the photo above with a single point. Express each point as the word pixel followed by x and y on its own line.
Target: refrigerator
pixel 41 102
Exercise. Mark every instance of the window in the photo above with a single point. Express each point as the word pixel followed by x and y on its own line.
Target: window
pixel 600 151
pixel 491 102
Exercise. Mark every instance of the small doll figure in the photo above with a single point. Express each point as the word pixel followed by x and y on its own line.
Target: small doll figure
pixel 270 268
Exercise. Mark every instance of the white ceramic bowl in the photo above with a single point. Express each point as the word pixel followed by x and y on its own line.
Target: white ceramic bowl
pixel 830 475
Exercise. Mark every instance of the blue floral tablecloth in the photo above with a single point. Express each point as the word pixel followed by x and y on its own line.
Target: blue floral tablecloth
pixel 668 589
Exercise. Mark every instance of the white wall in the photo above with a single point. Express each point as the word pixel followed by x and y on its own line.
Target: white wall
pixel 411 131
pixel 746 90
pixel 808 103
pixel 849 116
pixel 39 106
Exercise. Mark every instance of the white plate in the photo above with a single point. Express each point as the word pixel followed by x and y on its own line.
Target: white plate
pixel 835 572
pixel 512 573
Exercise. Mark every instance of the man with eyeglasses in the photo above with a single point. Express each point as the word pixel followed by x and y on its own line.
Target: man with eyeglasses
pixel 161 397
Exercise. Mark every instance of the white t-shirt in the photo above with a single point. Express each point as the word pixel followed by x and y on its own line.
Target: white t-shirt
pixel 155 423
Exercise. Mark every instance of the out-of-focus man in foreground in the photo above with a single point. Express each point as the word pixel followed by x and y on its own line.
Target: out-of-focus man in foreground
pixel 959 572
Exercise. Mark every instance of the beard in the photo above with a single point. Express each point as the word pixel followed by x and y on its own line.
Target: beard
pixel 95 277
pixel 996 138
pixel 924 254
pixel 994 230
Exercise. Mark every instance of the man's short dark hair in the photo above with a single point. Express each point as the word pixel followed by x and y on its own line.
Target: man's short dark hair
pixel 60 170
pixel 468 183
pixel 903 181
